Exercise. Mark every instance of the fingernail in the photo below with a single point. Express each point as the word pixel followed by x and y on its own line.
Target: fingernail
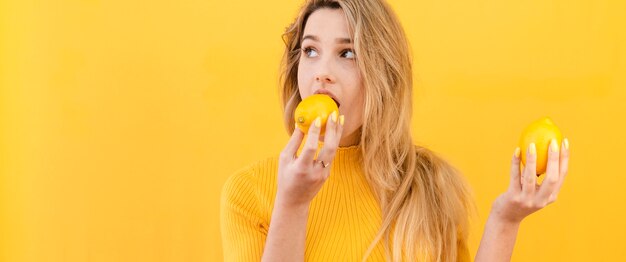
pixel 566 143
pixel 318 122
pixel 341 119
pixel 333 116
pixel 553 146
pixel 517 152
pixel 532 150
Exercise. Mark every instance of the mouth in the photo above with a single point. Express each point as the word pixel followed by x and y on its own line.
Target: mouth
pixel 328 93
pixel 336 102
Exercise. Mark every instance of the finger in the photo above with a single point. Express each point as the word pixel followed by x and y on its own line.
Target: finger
pixel 564 162
pixel 548 187
pixel 340 122
pixel 292 146
pixel 331 140
pixel 515 184
pixel 311 144
pixel 530 172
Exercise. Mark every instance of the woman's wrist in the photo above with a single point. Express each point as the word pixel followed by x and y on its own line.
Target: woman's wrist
pixel 287 232
pixel 498 238
pixel 291 206
pixel 497 216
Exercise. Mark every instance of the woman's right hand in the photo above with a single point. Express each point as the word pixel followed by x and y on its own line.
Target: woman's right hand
pixel 301 177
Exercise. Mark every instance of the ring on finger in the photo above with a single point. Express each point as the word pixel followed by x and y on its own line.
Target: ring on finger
pixel 324 165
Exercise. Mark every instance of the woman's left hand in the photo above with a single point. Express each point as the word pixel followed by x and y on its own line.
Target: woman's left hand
pixel 524 195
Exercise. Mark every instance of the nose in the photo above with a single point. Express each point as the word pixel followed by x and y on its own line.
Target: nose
pixel 324 74
pixel 324 78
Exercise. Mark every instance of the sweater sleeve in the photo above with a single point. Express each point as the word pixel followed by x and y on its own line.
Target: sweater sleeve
pixel 243 230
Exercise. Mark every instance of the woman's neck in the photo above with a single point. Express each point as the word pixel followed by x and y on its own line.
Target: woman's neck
pixel 351 139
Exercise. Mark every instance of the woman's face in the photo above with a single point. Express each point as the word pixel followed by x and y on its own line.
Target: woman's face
pixel 327 64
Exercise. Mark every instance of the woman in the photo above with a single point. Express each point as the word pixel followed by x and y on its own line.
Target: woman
pixel 365 192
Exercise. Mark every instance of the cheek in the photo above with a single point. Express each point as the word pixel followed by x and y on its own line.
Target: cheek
pixel 353 82
pixel 355 109
pixel 304 79
pixel 358 111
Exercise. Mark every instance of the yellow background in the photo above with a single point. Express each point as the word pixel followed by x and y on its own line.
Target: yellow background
pixel 120 120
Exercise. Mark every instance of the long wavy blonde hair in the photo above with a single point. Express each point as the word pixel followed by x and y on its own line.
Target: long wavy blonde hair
pixel 425 202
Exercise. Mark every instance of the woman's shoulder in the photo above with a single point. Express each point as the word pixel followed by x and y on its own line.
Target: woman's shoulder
pixel 252 188
pixel 429 156
pixel 253 177
pixel 257 169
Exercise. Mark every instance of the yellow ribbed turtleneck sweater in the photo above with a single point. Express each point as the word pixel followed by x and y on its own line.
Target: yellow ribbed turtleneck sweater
pixel 344 216
pixel 343 220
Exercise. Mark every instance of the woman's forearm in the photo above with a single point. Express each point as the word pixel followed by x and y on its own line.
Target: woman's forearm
pixel 287 234
pixel 498 240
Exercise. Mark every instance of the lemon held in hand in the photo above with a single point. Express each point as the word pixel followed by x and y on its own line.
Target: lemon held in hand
pixel 317 105
pixel 540 132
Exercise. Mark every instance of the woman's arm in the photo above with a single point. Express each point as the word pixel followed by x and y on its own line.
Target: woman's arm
pixel 300 178
pixel 523 198
pixel 498 240
pixel 287 233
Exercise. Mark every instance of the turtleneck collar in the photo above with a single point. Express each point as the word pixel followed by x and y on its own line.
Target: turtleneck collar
pixel 343 155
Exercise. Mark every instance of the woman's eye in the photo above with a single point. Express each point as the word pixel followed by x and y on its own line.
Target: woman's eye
pixel 348 53
pixel 309 52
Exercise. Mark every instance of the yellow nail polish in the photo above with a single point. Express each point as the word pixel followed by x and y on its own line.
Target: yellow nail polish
pixel 333 116
pixel 341 119
pixel 566 143
pixel 532 149
pixel 517 152
pixel 553 146
pixel 318 122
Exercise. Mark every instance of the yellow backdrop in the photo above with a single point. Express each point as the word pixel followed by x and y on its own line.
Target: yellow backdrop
pixel 120 120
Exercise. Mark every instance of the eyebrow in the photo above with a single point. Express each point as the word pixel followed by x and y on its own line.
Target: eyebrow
pixel 338 40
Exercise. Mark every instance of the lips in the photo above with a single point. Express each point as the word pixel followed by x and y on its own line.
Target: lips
pixel 328 93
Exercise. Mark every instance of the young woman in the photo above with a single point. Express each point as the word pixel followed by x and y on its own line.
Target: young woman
pixel 364 191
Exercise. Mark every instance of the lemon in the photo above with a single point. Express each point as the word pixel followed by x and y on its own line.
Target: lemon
pixel 317 105
pixel 540 132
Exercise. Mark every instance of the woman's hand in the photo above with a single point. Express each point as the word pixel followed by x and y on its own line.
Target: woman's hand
pixel 523 198
pixel 299 180
pixel 524 195
pixel 301 177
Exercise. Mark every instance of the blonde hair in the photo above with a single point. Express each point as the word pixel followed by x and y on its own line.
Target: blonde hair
pixel 425 202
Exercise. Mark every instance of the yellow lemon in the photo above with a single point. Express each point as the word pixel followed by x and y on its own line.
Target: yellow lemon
pixel 540 132
pixel 317 105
